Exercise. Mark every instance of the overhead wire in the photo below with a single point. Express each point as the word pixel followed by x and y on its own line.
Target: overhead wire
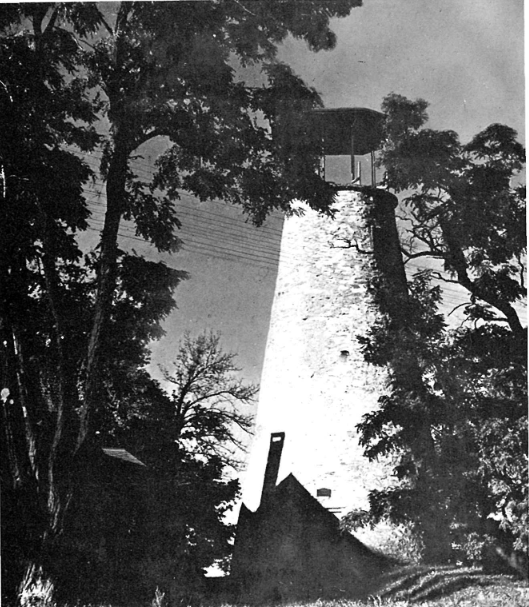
pixel 225 257
pixel 209 215
pixel 244 239
pixel 240 241
pixel 188 196
pixel 217 252
pixel 237 245
pixel 207 249
pixel 212 219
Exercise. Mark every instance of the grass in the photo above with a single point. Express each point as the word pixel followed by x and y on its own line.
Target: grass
pixel 410 586
pixel 422 586
pixel 448 587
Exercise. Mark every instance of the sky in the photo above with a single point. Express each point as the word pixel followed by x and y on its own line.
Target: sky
pixel 465 57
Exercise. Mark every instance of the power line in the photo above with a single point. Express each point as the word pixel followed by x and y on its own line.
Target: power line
pixel 272 254
pixel 186 195
pixel 244 242
pixel 249 244
pixel 238 238
pixel 245 239
pixel 257 243
pixel 221 253
pixel 266 263
pixel 193 211
pixel 243 253
pixel 234 259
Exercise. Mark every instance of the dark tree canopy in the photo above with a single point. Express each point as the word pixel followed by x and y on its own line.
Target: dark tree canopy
pixel 464 205
pixel 106 79
pixel 455 415
pixel 166 517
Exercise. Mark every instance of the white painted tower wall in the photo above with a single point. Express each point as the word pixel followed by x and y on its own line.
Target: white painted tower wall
pixel 315 384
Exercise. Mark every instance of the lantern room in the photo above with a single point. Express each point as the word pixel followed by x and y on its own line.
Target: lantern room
pixel 354 132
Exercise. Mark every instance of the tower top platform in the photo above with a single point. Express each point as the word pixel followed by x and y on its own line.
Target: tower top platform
pixel 338 126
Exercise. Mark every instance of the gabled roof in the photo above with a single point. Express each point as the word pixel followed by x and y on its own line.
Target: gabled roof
pixel 290 487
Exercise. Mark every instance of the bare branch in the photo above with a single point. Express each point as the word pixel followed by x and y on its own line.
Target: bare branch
pixel 350 244
pixel 439 276
pixel 420 254
pixel 457 307
pixel 207 394
pixel 522 271
pixel 212 395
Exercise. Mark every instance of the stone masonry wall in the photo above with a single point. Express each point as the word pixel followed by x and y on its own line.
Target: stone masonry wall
pixel 315 384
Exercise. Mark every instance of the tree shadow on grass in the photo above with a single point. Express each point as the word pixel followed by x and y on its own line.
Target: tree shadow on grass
pixel 417 584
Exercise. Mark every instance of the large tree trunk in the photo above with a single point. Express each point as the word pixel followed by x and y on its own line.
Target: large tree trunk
pixel 24 512
pixel 65 445
pixel 123 140
pixel 394 301
pixel 45 427
pixel 36 485
pixel 116 189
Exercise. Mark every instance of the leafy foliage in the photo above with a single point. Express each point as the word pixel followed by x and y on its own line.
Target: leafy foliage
pixel 81 78
pixel 454 416
pixel 168 518
pixel 463 207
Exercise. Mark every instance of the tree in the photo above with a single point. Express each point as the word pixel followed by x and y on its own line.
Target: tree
pixel 73 80
pixel 42 282
pixel 469 391
pixel 197 430
pixel 207 397
pixel 169 517
pixel 463 206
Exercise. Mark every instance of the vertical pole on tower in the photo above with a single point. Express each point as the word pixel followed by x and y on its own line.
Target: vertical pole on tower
pixel 353 167
pixel 322 167
pixel 322 157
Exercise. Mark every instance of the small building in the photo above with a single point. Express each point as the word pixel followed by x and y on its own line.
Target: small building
pixel 292 547
pixel 102 544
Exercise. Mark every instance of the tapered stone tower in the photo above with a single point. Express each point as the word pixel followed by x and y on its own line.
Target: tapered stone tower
pixel 315 384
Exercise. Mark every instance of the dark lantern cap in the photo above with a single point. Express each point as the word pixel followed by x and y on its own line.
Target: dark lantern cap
pixel 338 127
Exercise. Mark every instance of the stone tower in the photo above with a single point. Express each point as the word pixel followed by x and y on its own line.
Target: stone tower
pixel 315 384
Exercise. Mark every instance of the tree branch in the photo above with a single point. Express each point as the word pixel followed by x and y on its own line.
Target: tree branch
pixel 458 262
pixel 457 307
pixel 350 244
pixel 439 276
pixel 228 392
pixel 420 254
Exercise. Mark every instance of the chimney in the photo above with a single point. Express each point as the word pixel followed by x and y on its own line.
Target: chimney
pixel 277 440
